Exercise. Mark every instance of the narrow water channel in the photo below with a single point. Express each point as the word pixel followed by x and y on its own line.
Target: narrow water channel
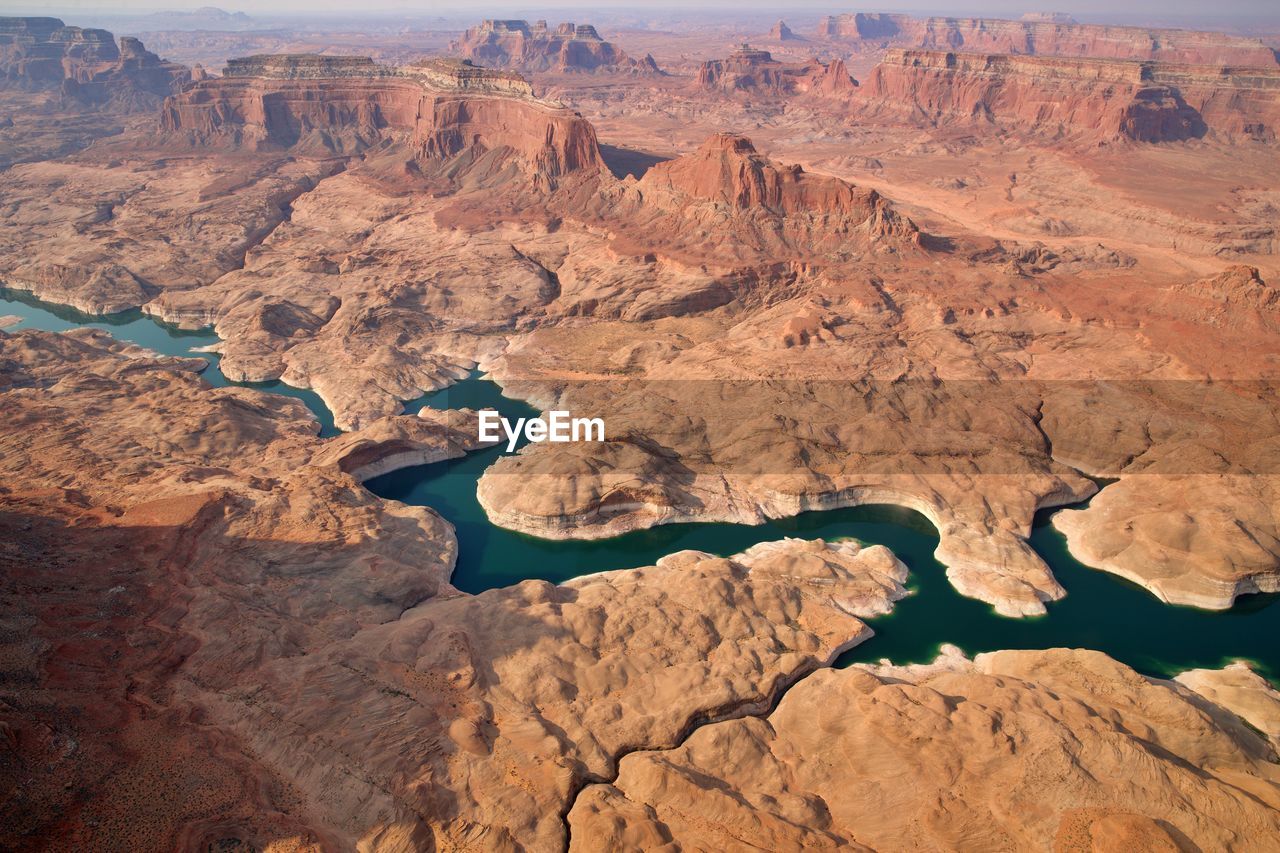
pixel 1100 611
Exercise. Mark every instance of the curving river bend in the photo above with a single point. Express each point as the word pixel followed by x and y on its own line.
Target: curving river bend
pixel 1100 611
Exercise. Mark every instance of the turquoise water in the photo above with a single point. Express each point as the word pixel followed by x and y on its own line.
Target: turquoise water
pixel 1100 611
pixel 146 331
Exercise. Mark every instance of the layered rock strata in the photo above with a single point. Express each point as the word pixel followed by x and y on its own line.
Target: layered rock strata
pixel 345 105
pixel 87 64
pixel 1083 98
pixel 1051 38
pixel 757 72
pixel 567 48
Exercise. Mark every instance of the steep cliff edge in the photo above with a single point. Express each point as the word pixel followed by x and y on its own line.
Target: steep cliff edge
pixel 1050 38
pixel 344 105
pixel 88 65
pixel 1092 99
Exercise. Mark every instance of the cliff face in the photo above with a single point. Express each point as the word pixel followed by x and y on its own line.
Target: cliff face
pixel 1051 38
pixel 727 176
pixel 756 71
pixel 569 47
pixel 781 32
pixel 325 105
pixel 87 64
pixel 1088 98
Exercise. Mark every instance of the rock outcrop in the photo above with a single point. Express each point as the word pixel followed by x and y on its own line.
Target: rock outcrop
pixel 1087 99
pixel 728 171
pixel 250 576
pixel 1051 38
pixel 756 72
pixel 87 64
pixel 1058 749
pixel 345 105
pixel 781 32
pixel 567 48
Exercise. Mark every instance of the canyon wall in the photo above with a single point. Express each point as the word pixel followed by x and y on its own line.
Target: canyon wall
pixel 343 105
pixel 1087 98
pixel 87 64
pixel 1051 38
pixel 756 71
pixel 569 47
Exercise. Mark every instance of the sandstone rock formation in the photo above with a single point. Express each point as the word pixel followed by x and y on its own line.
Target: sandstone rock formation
pixel 86 64
pixel 1089 99
pixel 567 48
pixel 781 32
pixel 344 105
pixel 756 72
pixel 471 717
pixel 1051 38
pixel 1058 749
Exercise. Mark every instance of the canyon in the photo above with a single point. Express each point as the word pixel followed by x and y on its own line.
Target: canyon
pixel 1022 274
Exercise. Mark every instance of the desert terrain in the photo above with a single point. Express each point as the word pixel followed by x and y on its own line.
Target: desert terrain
pixel 1001 297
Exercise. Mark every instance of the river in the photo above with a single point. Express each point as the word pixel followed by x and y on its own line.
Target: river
pixel 1101 611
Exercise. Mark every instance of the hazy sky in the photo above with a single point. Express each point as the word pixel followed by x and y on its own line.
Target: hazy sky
pixel 1155 9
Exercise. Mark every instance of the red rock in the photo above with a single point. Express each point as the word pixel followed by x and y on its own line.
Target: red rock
pixel 344 105
pixel 1087 98
pixel 753 70
pixel 1051 38
pixel 571 47
pixel 781 32
pixel 727 170
pixel 87 63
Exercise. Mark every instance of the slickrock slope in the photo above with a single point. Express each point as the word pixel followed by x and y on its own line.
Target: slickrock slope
pixel 86 64
pixel 252 583
pixel 1051 38
pixel 344 105
pixel 477 719
pixel 148 522
pixel 1083 98
pixel 87 236
pixel 1054 750
pixel 757 72
pixel 567 48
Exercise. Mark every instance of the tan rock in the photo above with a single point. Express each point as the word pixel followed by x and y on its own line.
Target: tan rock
pixel 1063 749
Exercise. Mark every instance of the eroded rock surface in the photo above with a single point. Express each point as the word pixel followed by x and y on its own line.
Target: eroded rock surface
pixel 1053 749
pixel 568 47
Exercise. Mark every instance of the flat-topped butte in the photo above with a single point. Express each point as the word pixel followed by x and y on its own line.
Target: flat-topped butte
pixel 459 74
